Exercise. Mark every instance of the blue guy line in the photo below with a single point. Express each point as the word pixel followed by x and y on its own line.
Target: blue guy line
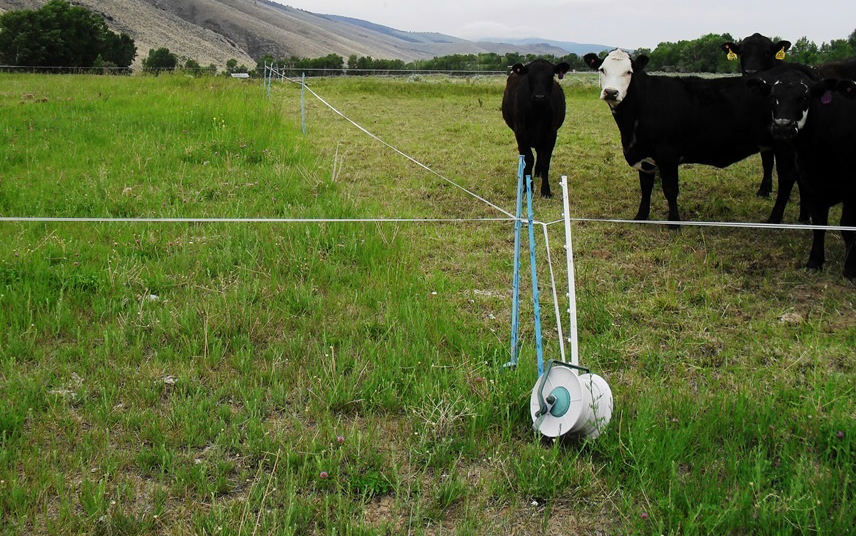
pixel 535 301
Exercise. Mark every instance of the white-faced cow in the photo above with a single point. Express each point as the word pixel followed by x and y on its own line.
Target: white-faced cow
pixel 665 121
pixel 819 118
pixel 533 106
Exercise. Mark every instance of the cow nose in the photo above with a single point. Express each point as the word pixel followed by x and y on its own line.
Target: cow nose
pixel 610 94
pixel 784 129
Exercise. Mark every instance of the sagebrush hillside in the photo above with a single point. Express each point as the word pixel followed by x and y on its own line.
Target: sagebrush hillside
pixel 213 31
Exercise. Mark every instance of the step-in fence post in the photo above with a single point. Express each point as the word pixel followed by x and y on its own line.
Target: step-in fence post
pixel 303 102
pixel 515 287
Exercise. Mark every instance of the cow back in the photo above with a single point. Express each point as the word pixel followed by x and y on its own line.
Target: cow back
pixel 705 121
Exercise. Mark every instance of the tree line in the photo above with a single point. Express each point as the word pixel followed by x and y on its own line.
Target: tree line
pixel 702 55
pixel 705 55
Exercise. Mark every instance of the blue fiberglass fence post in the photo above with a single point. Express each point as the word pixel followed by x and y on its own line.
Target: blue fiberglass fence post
pixel 536 305
pixel 515 289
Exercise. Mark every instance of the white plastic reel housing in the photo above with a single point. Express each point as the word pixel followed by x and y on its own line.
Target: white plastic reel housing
pixel 582 404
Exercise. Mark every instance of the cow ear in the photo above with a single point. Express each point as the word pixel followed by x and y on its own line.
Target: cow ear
pixel 519 68
pixel 821 88
pixel 780 48
pixel 846 88
pixel 592 60
pixel 640 62
pixel 759 86
pixel 782 45
pixel 731 49
pixel 561 69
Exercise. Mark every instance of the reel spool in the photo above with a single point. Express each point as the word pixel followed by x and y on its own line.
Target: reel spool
pixel 563 402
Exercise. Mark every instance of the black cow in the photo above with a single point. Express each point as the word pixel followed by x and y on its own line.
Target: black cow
pixel 759 53
pixel 819 118
pixel 533 106
pixel 666 121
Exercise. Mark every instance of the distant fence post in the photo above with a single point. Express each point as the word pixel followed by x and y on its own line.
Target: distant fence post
pixel 266 75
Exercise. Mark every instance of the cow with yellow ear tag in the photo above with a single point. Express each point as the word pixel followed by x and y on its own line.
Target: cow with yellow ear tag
pixel 758 53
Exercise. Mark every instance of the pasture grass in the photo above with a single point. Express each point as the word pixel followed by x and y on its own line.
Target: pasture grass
pixel 196 378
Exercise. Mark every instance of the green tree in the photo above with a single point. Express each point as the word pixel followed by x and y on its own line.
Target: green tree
pixel 804 51
pixel 61 35
pixel 160 59
pixel 119 49
pixel 193 66
pixel 837 49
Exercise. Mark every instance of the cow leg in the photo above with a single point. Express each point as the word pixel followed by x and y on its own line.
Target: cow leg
pixel 542 167
pixel 528 159
pixel 848 219
pixel 669 176
pixel 819 216
pixel 646 185
pixel 787 170
pixel 767 158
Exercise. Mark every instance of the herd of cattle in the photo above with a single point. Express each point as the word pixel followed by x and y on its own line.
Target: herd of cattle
pixel 802 118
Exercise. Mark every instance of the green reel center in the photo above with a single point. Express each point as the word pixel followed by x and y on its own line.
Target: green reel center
pixel 561 400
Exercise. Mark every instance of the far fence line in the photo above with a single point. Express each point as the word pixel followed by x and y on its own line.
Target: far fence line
pixel 287 70
pixel 281 70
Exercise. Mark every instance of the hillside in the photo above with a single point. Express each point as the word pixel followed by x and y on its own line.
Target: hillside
pixel 212 31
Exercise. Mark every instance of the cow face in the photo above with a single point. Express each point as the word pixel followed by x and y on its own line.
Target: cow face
pixel 539 77
pixel 757 53
pixel 788 100
pixel 616 71
pixel 791 99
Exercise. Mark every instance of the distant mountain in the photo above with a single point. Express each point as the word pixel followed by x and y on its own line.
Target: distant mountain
pixel 580 49
pixel 213 31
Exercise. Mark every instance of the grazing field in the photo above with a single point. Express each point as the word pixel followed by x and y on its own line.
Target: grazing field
pixel 331 378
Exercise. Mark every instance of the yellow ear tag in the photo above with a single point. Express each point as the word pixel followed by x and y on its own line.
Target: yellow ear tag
pixel 780 55
pixel 731 55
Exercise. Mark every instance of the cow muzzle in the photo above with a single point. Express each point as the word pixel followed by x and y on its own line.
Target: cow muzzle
pixel 784 129
pixel 610 95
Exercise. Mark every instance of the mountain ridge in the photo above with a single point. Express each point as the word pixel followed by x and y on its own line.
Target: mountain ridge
pixel 214 31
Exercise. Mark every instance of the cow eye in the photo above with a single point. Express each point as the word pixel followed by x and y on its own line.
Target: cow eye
pixel 629 73
pixel 601 70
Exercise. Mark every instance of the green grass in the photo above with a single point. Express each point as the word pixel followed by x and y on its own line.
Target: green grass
pixel 195 378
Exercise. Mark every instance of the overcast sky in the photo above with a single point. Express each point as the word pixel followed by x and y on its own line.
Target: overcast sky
pixel 624 23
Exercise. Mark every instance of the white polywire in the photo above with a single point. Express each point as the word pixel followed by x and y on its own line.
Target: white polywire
pixel 49 219
pixel 401 153
pixel 555 295
pixel 732 225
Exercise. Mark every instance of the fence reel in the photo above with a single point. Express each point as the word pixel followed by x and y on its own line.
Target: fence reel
pixel 563 401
